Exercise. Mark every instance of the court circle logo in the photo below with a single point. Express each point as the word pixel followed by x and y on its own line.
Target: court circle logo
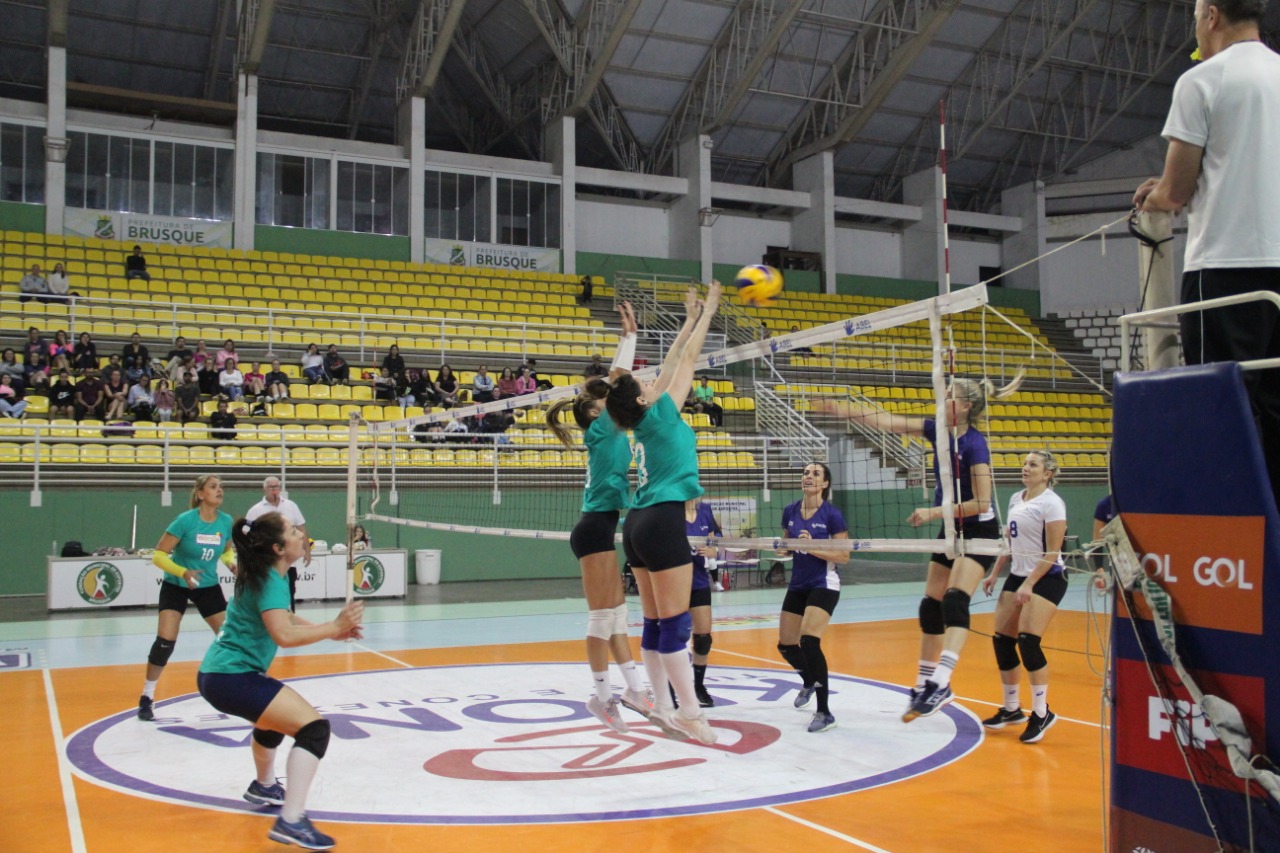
pixel 100 583
pixel 514 743
pixel 368 575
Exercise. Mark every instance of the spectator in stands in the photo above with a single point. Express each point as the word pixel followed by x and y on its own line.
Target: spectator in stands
pixel 136 359
pixel 706 404
pixel 61 353
pixel 11 405
pixel 394 363
pixel 177 357
pixel 483 387
pixel 34 286
pixel 222 423
pixel 231 381
pixel 595 368
pixel 90 395
pixel 446 386
pixel 135 265
pixel 277 383
pixel 59 284
pixel 142 402
pixel 227 353
pixel 86 353
pixel 384 386
pixel 538 382
pixel 37 375
pixel 62 396
pixel 360 540
pixel 588 290
pixel 164 400
pixel 255 383
pixel 765 334
pixel 116 394
pixel 336 368
pixel 33 345
pixel 525 383
pixel 187 396
pixel 206 371
pixel 506 384
pixel 422 389
pixel 800 350
pixel 113 363
pixel 312 364
pixel 16 372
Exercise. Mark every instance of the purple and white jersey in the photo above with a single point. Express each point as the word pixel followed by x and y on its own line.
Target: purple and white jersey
pixel 1027 520
pixel 704 524
pixel 808 571
pixel 968 450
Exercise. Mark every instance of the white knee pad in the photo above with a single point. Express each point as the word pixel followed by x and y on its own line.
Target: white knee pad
pixel 620 619
pixel 600 623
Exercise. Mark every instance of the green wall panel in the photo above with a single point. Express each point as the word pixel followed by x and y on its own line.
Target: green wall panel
pixel 15 216
pixel 904 288
pixel 342 244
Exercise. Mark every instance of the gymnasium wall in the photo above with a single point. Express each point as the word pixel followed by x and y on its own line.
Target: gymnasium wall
pixel 342 244
pixel 21 217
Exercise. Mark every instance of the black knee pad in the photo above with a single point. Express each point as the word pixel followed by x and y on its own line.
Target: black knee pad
pixel 701 644
pixel 1006 652
pixel 313 737
pixel 267 738
pixel 161 649
pixel 955 608
pixel 792 655
pixel 1032 657
pixel 810 644
pixel 931 621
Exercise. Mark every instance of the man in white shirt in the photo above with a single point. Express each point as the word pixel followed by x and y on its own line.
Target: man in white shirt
pixel 274 501
pixel 1223 122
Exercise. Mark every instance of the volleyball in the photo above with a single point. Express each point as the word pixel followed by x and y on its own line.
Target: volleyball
pixel 758 285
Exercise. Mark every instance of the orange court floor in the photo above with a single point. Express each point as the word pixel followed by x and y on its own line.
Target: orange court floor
pixel 1000 795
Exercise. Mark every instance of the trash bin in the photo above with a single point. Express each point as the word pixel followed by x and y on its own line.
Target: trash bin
pixel 427 565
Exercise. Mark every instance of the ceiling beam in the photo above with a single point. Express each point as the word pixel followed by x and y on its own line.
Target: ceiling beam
pixel 58 23
pixel 216 41
pixel 430 37
pixel 601 29
pixel 254 25
pixel 383 15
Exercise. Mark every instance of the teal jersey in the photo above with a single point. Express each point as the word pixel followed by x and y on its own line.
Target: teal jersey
pixel 666 453
pixel 608 458
pixel 200 545
pixel 243 644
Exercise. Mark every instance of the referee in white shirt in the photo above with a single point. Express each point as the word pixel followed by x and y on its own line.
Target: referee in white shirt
pixel 273 501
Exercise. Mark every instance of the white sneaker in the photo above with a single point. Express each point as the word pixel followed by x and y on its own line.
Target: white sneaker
pixel 639 701
pixel 608 713
pixel 695 727
pixel 665 720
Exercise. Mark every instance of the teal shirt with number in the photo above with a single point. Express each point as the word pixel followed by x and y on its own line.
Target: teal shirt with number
pixel 200 545
pixel 608 459
pixel 666 453
pixel 243 644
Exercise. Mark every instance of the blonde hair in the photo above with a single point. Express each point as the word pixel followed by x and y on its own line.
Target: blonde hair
pixel 593 390
pixel 201 482
pixel 1050 463
pixel 978 392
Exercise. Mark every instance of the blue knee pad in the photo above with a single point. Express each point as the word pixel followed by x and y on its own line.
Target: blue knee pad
pixel 649 634
pixel 931 616
pixel 675 633
pixel 313 737
pixel 955 608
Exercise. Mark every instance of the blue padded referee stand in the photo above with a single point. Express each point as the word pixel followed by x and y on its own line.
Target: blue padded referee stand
pixel 1195 499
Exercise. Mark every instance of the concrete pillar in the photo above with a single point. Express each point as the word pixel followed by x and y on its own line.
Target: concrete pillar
pixel 922 242
pixel 814 230
pixel 413 137
pixel 689 239
pixel 246 192
pixel 1027 202
pixel 55 173
pixel 560 144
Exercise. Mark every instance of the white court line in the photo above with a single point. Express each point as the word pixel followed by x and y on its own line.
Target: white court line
pixel 365 648
pixel 74 826
pixel 820 828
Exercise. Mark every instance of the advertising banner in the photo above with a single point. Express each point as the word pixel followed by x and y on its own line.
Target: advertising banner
pixel 459 253
pixel 141 228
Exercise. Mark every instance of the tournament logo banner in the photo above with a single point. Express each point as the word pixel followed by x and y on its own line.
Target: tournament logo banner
pixel 368 575
pixel 141 228
pixel 100 583
pixel 515 258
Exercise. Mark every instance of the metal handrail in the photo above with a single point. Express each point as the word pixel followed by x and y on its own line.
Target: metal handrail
pixel 1152 318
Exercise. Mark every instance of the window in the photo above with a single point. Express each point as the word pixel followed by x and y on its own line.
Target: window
pixel 293 191
pixel 456 207
pixel 21 163
pixel 372 199
pixel 528 213
pixel 139 176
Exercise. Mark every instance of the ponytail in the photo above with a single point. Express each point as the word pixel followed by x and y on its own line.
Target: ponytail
pixel 255 542
pixel 592 390
pixel 978 392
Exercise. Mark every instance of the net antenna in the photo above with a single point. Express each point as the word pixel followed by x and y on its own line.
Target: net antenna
pixel 353 459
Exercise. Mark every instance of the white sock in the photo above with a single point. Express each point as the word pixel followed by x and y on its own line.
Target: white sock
pixel 149 688
pixel 657 675
pixel 632 676
pixel 1011 701
pixel 946 665
pixel 925 672
pixel 680 671
pixel 602 685
pixel 264 763
pixel 301 769
pixel 1040 699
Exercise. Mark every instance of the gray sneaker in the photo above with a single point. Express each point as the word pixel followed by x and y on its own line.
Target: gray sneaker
pixel 821 722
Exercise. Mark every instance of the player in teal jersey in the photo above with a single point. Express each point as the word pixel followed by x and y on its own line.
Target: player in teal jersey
pixel 188 552
pixel 605 495
pixel 654 536
pixel 233 677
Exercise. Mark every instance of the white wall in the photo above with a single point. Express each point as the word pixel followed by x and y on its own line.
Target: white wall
pixel 868 252
pixel 742 240
pixel 1082 277
pixel 968 255
pixel 620 228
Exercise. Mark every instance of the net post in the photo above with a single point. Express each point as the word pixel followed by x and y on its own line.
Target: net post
pixel 353 459
pixel 942 454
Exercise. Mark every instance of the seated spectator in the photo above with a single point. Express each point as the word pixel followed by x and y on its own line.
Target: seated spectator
pixel 360 540
pixel 34 286
pixel 483 387
pixel 394 363
pixel 11 405
pixel 455 431
pixel 164 400
pixel 422 389
pixel 206 372
pixel 227 353
pixel 59 284
pixel 85 353
pixel 765 334
pixel 116 394
pixel 177 357
pixel 231 381
pixel 588 290
pixel 312 364
pixel 61 353
pixel 506 384
pixel 135 265
pixel 33 345
pixel 800 350
pixel 255 383
pixel 706 404
pixel 136 359
pixel 62 396
pixel 187 396
pixel 277 383
pixel 384 386
pixel 222 423
pixel 336 368
pixel 142 402
pixel 446 387
pixel 525 382
pixel 16 372
pixel 596 368
pixel 531 364
pixel 90 395
pixel 36 375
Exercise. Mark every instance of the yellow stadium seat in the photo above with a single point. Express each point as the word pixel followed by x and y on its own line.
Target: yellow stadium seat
pixel 62 453
pixel 340 392
pixel 302 456
pixel 94 454
pixel 283 410
pixel 331 456
pixel 320 391
pixel 325 412
pixel 149 454
pixel 361 392
pixel 10 453
pixel 227 455
pixel 306 412
pixel 37 404
pixel 121 454
pixel 203 455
